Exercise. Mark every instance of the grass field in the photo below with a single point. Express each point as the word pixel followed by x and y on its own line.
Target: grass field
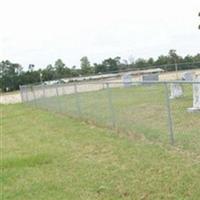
pixel 138 112
pixel 51 156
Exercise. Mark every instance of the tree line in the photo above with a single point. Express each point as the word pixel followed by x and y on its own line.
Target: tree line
pixel 12 74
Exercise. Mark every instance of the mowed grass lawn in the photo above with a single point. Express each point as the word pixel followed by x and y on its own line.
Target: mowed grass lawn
pixel 50 156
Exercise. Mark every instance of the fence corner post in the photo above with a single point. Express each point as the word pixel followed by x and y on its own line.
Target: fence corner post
pixel 78 107
pixel 34 96
pixel 21 93
pixel 58 100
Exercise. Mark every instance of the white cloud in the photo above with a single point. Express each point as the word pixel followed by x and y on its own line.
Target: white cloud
pixel 40 31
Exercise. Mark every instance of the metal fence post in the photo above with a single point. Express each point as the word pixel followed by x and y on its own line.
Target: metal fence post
pixel 111 108
pixel 43 90
pixel 26 92
pixel 77 100
pixel 34 97
pixel 21 93
pixel 169 115
pixel 43 98
pixel 63 90
pixel 58 101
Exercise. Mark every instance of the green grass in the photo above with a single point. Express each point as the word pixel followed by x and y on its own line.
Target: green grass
pixel 53 157
pixel 139 111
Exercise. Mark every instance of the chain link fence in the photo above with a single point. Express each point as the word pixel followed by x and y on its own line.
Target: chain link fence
pixel 156 110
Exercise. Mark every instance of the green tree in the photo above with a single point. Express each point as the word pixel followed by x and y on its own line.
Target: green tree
pixel 141 63
pixel 74 71
pixel 85 66
pixel 112 65
pixel 174 57
pixel 188 58
pixel 150 62
pixel 9 73
pixel 99 68
pixel 162 60
pixel 48 73
pixel 196 58
pixel 59 68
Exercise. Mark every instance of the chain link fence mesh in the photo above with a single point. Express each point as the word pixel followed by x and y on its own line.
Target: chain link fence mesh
pixel 149 110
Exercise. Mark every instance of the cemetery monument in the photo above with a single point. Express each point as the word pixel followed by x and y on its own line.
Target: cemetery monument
pixel 127 80
pixel 176 90
pixel 196 95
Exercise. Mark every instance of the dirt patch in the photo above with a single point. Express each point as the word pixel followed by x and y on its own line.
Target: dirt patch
pixel 10 98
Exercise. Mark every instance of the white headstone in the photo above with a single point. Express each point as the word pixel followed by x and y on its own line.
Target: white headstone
pixel 150 77
pixel 188 76
pixel 127 80
pixel 196 96
pixel 176 90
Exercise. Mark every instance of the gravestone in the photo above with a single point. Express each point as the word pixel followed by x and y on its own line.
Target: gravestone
pixel 196 96
pixel 127 80
pixel 150 77
pixel 176 90
pixel 187 76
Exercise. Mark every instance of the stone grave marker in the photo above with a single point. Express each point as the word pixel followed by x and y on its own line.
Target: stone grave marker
pixel 188 76
pixel 127 80
pixel 150 77
pixel 196 96
pixel 176 90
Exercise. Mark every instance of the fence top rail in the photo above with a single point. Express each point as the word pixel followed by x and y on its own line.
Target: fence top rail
pixel 154 82
pixel 111 82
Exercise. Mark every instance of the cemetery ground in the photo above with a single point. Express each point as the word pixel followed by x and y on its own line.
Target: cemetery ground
pixel 137 112
pixel 47 155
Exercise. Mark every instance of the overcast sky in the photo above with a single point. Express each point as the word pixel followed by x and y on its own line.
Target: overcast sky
pixel 40 31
